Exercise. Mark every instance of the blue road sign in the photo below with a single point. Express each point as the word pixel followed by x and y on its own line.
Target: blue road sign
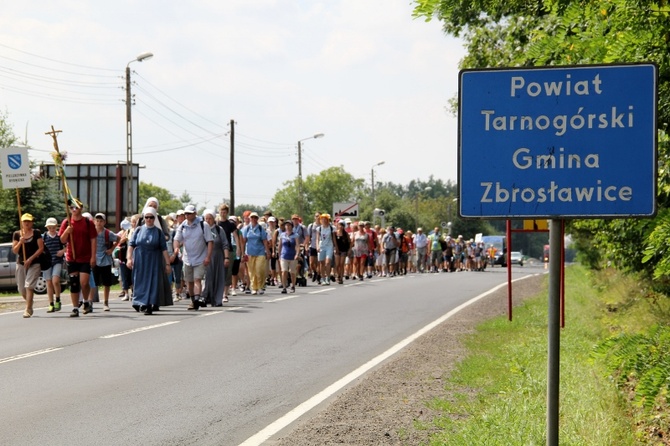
pixel 558 142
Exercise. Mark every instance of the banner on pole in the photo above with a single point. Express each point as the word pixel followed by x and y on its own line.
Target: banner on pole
pixel 15 167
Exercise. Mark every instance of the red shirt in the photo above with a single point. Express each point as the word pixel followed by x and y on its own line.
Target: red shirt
pixel 84 231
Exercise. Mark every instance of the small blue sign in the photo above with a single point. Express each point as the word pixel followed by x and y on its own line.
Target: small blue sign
pixel 558 142
pixel 14 161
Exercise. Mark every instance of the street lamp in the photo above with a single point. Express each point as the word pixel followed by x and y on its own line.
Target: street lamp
pixel 300 199
pixel 129 132
pixel 372 177
pixel 449 213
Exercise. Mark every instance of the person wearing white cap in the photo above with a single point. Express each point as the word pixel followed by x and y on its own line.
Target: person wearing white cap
pixel 198 245
pixel 56 249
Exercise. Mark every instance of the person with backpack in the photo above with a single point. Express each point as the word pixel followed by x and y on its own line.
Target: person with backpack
pixel 79 233
pixel 102 271
pixel 198 245
pixel 256 253
pixel 325 247
pixel 52 275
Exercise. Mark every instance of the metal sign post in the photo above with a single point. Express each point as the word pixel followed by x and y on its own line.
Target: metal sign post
pixel 554 331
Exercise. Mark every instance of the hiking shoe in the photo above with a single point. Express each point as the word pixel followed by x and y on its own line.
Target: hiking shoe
pixel 75 312
pixel 51 308
pixel 283 291
pixel 57 305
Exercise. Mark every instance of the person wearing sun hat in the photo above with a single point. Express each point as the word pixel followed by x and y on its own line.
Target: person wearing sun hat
pixel 257 252
pixel 52 275
pixel 27 245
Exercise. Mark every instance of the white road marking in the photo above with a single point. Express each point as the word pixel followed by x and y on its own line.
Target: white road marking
pixel 28 355
pixel 210 313
pixel 137 330
pixel 322 290
pixel 279 299
pixel 273 428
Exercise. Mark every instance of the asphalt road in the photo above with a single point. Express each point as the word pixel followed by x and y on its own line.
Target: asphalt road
pixel 212 377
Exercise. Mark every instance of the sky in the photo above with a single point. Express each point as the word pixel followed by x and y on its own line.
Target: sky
pixel 372 79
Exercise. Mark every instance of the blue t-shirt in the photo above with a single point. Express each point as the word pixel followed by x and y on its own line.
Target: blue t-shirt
pixel 288 243
pixel 254 237
pixel 101 257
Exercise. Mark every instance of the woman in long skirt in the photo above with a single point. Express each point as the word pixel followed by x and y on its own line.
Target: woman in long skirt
pixel 148 259
pixel 215 274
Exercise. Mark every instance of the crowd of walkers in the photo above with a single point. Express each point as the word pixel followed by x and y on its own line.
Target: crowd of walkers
pixel 209 258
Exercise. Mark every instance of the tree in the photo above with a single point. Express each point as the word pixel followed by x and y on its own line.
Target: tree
pixel 320 191
pixel 167 202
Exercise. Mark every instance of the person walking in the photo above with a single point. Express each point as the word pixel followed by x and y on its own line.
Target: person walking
pixel 196 237
pixel 343 243
pixel 27 244
pixel 80 235
pixel 215 274
pixel 52 275
pixel 102 271
pixel 229 226
pixel 326 247
pixel 289 241
pixel 122 254
pixel 148 259
pixel 421 244
pixel 257 252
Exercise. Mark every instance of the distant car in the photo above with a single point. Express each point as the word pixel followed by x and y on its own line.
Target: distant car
pixel 517 258
pixel 8 272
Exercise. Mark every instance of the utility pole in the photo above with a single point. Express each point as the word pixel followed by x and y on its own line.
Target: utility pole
pixel 232 167
pixel 300 203
pixel 129 146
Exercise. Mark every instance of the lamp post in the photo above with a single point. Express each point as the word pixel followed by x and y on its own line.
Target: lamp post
pixel 300 199
pixel 449 213
pixel 129 132
pixel 418 197
pixel 372 178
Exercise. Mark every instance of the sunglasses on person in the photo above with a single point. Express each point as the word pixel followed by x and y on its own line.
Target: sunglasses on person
pixel 149 217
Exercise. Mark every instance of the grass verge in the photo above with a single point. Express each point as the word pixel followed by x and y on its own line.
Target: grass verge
pixel 497 395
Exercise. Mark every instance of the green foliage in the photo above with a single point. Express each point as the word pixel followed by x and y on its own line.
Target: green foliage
pixel 167 202
pixel 639 362
pixel 320 191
